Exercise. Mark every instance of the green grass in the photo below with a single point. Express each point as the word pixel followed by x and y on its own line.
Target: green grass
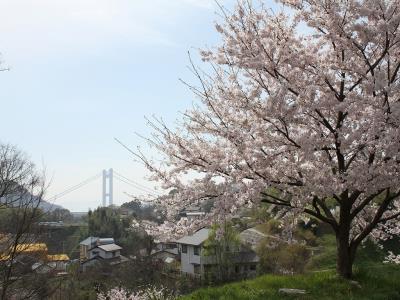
pixel 325 257
pixel 377 282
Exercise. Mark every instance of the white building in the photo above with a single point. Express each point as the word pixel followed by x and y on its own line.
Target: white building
pixel 94 250
pixel 192 213
pixel 107 251
pixel 195 263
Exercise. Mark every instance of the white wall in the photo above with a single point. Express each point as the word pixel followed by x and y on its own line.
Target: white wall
pixel 103 254
pixel 188 259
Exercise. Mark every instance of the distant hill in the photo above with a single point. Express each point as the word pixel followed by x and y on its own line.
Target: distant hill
pixel 44 205
pixel 47 206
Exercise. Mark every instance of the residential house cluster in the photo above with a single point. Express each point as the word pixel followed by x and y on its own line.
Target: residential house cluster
pixel 95 250
pixel 35 257
pixel 197 261
pixel 194 259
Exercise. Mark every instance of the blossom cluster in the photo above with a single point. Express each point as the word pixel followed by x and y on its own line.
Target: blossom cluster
pixel 150 293
pixel 304 102
pixel 392 258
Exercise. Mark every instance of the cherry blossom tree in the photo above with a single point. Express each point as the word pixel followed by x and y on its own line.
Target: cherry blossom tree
pixel 305 102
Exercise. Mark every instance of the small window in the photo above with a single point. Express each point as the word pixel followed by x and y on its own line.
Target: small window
pixel 196 268
pixel 170 246
pixel 184 248
pixel 253 267
pixel 196 250
pixel 237 269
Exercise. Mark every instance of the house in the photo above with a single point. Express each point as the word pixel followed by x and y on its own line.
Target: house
pixel 35 257
pixel 168 260
pixel 56 263
pixel 192 213
pixel 168 245
pixel 59 262
pixel 194 262
pixel 165 253
pixel 252 237
pixel 85 246
pixel 88 248
pixel 94 250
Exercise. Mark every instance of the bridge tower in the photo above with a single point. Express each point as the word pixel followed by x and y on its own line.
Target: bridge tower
pixel 108 187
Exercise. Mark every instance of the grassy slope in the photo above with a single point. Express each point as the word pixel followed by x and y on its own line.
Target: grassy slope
pixel 378 281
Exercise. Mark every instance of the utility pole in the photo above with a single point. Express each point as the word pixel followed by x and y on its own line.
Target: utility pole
pixel 107 187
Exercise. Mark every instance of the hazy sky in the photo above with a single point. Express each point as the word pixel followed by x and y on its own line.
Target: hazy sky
pixel 85 71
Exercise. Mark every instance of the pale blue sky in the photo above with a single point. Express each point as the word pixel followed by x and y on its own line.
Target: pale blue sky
pixel 85 71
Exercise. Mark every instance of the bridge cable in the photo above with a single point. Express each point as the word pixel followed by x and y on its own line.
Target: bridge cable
pixel 136 183
pixel 75 187
pixel 136 187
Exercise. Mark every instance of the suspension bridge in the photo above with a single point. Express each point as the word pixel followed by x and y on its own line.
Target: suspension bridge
pixel 108 177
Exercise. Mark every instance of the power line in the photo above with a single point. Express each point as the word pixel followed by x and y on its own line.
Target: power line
pixel 136 183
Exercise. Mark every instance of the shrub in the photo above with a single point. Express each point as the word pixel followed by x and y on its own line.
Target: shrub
pixel 281 257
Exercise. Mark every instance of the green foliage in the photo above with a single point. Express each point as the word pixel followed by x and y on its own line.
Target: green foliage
pixel 143 212
pixel 222 247
pixel 107 222
pixel 63 239
pixel 229 239
pixel 280 257
pixel 59 214
pixel 271 227
pixel 261 214
pixel 134 205
pixel 10 217
pixel 368 253
pixel 305 235
pixel 380 282
pixel 6 217
pixel 325 256
pixel 207 205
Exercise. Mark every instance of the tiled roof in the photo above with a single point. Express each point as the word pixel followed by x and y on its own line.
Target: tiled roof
pixel 58 257
pixel 110 247
pixel 195 239
pixel 31 247
pixel 26 248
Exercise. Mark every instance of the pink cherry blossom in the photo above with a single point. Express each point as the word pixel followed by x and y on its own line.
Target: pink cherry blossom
pixel 306 102
pixel 149 293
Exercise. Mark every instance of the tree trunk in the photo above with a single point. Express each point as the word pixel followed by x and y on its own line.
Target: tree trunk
pixel 345 258
pixel 345 251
